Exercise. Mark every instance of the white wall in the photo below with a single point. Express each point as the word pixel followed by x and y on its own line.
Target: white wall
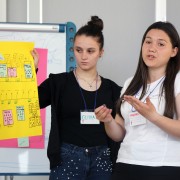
pixel 2 10
pixel 16 10
pixel 173 13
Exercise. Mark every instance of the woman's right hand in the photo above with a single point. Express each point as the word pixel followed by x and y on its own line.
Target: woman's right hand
pixel 103 114
pixel 35 56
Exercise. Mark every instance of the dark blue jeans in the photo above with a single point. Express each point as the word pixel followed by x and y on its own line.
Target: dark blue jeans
pixel 79 163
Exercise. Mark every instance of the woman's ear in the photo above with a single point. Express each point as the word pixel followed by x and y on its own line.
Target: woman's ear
pixel 101 53
pixel 174 52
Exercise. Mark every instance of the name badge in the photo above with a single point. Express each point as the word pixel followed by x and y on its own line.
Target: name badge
pixel 88 118
pixel 136 119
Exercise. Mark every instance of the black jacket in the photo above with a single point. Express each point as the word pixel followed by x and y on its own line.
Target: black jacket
pixel 50 93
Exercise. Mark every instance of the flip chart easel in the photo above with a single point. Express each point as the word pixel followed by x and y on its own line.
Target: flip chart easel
pixel 58 40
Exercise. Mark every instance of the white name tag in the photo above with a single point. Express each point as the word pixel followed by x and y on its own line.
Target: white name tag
pixel 136 119
pixel 89 118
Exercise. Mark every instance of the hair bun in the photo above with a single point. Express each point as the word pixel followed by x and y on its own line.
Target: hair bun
pixel 96 22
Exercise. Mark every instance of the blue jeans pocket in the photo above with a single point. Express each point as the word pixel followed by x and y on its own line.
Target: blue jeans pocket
pixel 65 153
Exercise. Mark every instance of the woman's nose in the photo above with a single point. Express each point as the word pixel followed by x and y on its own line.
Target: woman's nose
pixel 152 48
pixel 84 55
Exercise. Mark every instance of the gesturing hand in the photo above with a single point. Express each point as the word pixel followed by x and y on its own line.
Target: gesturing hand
pixel 145 109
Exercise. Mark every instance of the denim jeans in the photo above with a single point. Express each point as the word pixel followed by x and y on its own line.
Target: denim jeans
pixel 79 163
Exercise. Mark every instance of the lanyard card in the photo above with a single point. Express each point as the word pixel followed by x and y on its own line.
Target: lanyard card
pixel 88 117
pixel 136 119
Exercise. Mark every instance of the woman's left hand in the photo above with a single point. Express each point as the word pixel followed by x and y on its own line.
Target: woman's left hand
pixel 145 109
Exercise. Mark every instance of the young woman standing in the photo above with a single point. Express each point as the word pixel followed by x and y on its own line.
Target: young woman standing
pixel 148 112
pixel 78 144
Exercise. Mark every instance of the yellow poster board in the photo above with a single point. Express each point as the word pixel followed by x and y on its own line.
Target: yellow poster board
pixel 19 105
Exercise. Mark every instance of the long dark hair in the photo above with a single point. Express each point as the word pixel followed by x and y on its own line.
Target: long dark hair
pixel 140 78
pixel 94 29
